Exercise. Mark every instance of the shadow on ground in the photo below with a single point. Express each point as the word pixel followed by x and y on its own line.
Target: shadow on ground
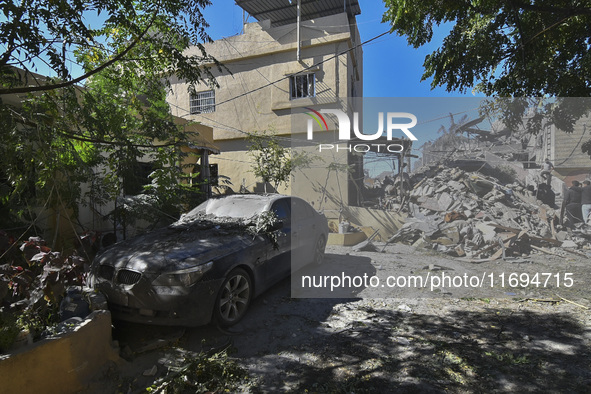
pixel 343 345
pixel 388 351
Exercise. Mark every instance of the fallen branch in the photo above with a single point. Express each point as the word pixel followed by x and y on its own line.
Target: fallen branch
pixel 547 251
pixel 572 302
pixel 574 252
pixel 539 300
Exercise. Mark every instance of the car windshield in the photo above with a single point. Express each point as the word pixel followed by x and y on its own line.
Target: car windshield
pixel 234 207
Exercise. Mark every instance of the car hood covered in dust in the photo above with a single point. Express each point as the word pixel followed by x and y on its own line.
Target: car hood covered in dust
pixel 180 246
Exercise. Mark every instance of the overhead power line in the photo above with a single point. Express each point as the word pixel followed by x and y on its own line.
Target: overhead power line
pixel 304 69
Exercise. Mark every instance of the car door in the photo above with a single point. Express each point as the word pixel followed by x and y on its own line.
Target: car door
pixel 278 262
pixel 304 233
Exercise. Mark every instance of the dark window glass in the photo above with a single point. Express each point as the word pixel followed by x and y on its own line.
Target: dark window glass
pixel 281 209
pixel 302 86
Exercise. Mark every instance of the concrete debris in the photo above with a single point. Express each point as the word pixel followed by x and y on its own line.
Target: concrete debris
pixel 569 244
pixel 476 217
pixel 160 342
pixel 151 372
pixel 365 246
pixel 402 341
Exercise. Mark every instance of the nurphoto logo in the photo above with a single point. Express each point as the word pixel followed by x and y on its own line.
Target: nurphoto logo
pixel 345 130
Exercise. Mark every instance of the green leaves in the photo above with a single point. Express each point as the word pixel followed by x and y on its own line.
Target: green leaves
pixel 538 49
pixel 272 161
pixel 65 144
pixel 513 48
pixel 38 34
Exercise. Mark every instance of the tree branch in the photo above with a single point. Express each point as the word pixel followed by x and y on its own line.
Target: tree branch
pixel 120 143
pixel 521 35
pixel 21 119
pixel 41 88
pixel 551 9
pixel 523 44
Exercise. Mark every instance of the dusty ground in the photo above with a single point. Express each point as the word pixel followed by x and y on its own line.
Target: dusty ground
pixel 533 338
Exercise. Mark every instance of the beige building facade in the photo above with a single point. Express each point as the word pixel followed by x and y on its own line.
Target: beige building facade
pixel 269 79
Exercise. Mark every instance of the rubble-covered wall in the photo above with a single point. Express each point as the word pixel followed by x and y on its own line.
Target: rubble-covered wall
pixel 387 222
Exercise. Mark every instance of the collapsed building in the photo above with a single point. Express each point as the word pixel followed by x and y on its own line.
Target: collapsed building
pixel 468 214
pixel 480 197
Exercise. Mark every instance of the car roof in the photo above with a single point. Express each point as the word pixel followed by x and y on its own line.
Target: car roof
pixel 253 196
pixel 238 205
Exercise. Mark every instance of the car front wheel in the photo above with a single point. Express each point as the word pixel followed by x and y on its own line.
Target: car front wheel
pixel 234 298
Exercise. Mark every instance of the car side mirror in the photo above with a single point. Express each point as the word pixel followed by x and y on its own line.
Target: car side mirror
pixel 278 225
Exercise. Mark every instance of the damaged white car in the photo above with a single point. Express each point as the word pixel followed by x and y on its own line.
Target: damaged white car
pixel 211 263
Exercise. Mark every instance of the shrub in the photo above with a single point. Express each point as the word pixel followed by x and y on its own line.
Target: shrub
pixel 8 331
pixel 205 373
pixel 36 282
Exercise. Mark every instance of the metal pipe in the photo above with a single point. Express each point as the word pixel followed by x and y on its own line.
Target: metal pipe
pixel 299 19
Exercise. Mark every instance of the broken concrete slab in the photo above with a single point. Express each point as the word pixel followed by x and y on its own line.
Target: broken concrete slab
pixel 489 211
pixel 487 230
pixel 365 246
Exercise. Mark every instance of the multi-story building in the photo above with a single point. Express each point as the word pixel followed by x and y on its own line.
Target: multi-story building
pixel 296 57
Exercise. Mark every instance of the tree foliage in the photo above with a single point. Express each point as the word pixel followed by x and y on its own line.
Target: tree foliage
pixel 507 48
pixel 273 162
pixel 39 35
pixel 531 50
pixel 93 122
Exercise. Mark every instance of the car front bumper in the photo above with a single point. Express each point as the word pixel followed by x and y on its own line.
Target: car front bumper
pixel 161 305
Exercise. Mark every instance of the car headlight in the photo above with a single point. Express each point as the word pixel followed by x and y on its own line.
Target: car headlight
pixel 186 277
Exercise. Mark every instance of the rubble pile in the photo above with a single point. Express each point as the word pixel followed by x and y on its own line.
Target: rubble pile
pixel 474 216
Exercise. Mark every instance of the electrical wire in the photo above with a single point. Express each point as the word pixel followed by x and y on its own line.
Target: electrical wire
pixel 304 69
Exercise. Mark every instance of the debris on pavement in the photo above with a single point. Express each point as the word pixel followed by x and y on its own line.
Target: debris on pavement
pixel 475 217
pixel 367 245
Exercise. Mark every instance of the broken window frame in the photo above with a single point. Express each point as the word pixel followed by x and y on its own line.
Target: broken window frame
pixel 302 86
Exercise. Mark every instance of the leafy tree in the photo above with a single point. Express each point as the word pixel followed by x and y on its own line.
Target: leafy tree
pixel 502 47
pixel 506 48
pixel 273 162
pixel 94 124
pixel 39 34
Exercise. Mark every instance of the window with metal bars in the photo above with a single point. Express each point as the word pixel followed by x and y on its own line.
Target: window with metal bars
pixel 302 86
pixel 202 102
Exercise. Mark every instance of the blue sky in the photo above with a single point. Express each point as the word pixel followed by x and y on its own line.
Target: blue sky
pixel 392 68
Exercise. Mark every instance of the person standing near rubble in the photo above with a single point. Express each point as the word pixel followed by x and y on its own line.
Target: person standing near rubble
pixel 571 205
pixel 388 186
pixel 586 201
pixel 546 173
pixel 546 195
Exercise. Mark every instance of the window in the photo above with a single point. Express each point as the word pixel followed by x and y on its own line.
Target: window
pixel 281 209
pixel 302 86
pixel 136 177
pixel 213 174
pixel 300 209
pixel 202 102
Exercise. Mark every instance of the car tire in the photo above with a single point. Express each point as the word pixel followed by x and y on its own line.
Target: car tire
pixel 319 250
pixel 233 298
